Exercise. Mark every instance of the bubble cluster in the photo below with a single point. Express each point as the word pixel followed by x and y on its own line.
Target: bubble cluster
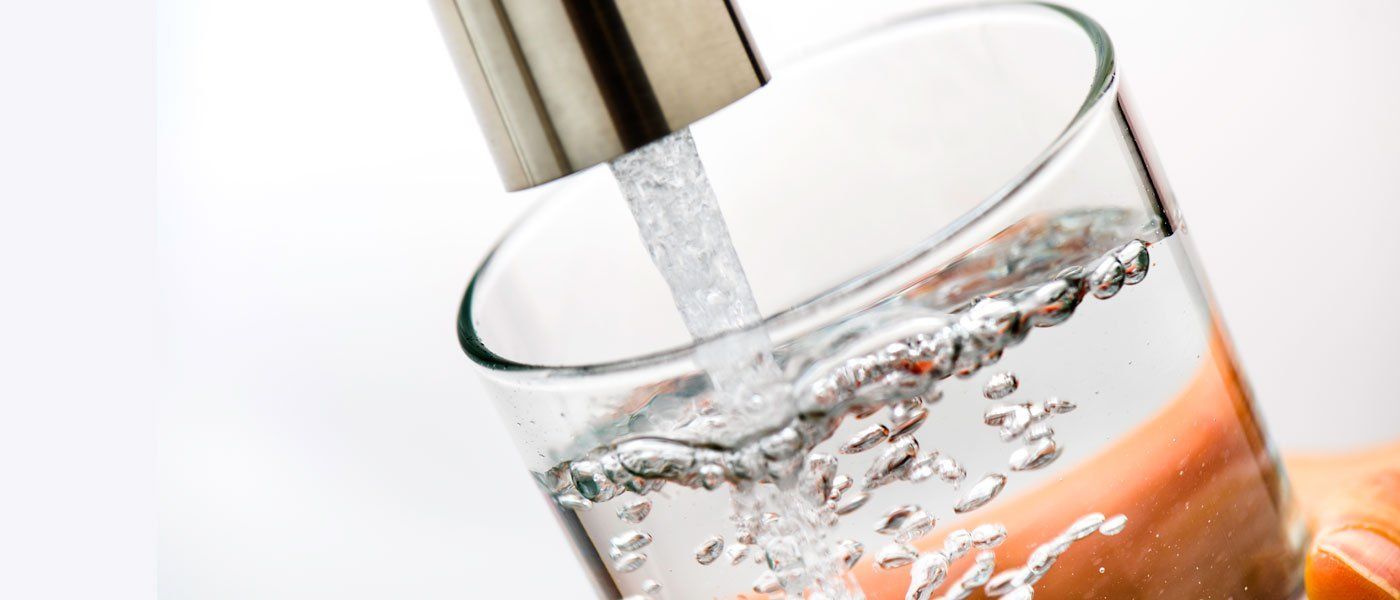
pixel 889 368
pixel 1019 582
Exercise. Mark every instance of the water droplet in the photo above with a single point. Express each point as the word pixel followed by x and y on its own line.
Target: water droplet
pixel 710 550
pixel 928 572
pixel 957 544
pixel 894 519
pixel 630 540
pixel 1102 570
pixel 849 553
pixel 1106 278
pixel 895 556
pixel 651 588
pixel 1134 257
pixel 1114 525
pixel 981 493
pixel 1085 526
pixel 1000 386
pixel 1035 455
pixel 866 439
pixel 851 503
pixel 631 561
pixel 1059 406
pixel 635 511
pixel 989 535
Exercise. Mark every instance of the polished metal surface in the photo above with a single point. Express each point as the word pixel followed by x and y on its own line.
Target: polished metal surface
pixel 561 85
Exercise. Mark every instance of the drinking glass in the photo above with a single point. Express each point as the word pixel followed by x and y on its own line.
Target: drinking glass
pixel 926 211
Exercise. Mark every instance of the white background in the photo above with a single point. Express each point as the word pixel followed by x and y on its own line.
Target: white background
pixel 324 194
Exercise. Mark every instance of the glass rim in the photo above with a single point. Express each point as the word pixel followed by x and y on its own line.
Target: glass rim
pixel 1101 89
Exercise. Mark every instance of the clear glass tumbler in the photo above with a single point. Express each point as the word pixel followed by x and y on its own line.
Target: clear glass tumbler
pixel 983 301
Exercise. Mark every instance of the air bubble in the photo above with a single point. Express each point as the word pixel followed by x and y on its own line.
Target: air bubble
pixel 1003 583
pixel 997 414
pixel 866 439
pixel 571 500
pixel 1059 406
pixel 711 476
pixel 651 588
pixel 915 527
pixel 957 544
pixel 767 583
pixel 989 535
pixel 1015 423
pixel 592 483
pixel 630 540
pixel 1085 526
pixel 635 511
pixel 1021 593
pixel 949 470
pixel 928 572
pixel 631 561
pixel 839 485
pixel 888 464
pixel 1114 525
pixel 1135 261
pixel 895 556
pixel 849 553
pixel 910 423
pixel 1106 278
pixel 737 553
pixel 1035 455
pixel 818 475
pixel 893 520
pixel 852 503
pixel 923 467
pixel 1039 431
pixel 1000 386
pixel 710 550
pixel 975 577
pixel 981 493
